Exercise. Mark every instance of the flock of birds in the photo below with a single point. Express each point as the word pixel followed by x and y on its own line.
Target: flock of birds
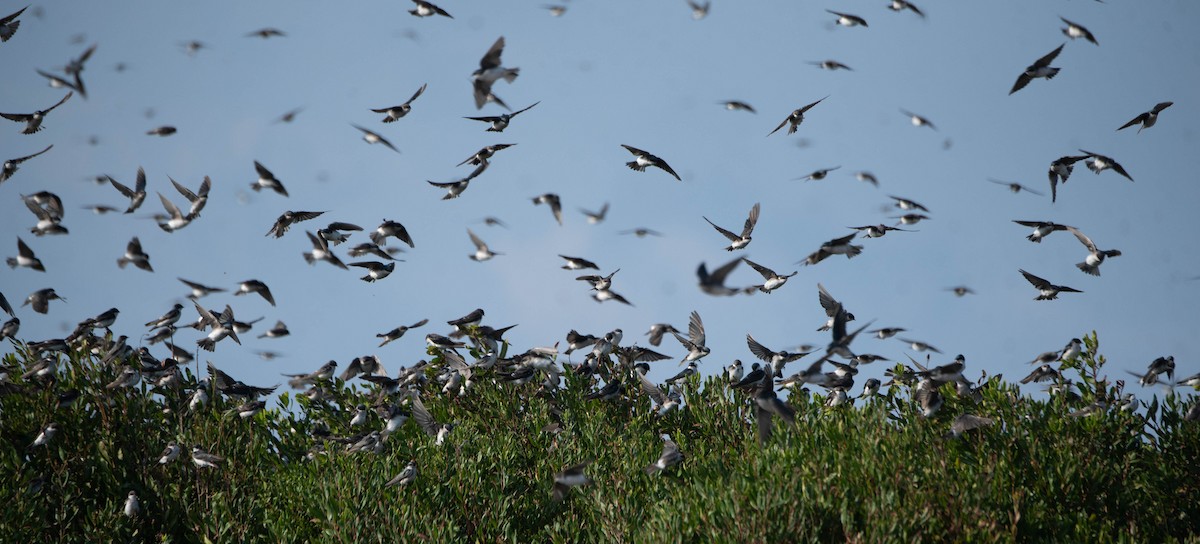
pixel 473 354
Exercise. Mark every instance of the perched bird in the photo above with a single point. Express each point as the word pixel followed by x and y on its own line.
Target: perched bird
pixel 373 138
pixel 265 33
pixel 40 300
pixel 1039 68
pixel 491 70
pixel 25 258
pixel 737 105
pixel 407 476
pixel 10 24
pixel 1015 187
pixel 1096 256
pixel 734 372
pixel 134 255
pixel 482 252
pixel 203 459
pixel 1076 30
pixel 1072 350
pixel 772 281
pixel 33 121
pixel 427 9
pixel 501 122
pixel 795 118
pixel 1145 120
pixel 739 240
pixel 10 165
pixel 396 112
pixel 169 453
pixel 45 435
pixel 287 219
pixel 321 252
pixel 847 20
pixel 132 507
pixel 1098 163
pixel 552 200
pixel 398 332
pixel 375 270
pixel 267 180
pixel 388 229
pixel 644 159
pixel 567 478
pixel 135 196
pixel 836 246
pixel 917 120
pixel 1047 290
pixel 670 456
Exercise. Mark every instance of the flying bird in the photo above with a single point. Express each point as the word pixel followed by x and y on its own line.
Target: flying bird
pixel 847 20
pixel 287 219
pixel 174 219
pixel 595 218
pixel 699 10
pixel 670 456
pixel 40 300
pixel 396 112
pixel 695 340
pixel 265 33
pixel 10 24
pixel 198 199
pixel 552 200
pixel 830 64
pixel 644 159
pixel 1091 264
pixel 1098 163
pixel 482 253
pixel 164 130
pixel 321 252
pixel 33 121
pixel 917 120
pixel 795 118
pixel 267 180
pixel 136 196
pixel 877 231
pixel 714 283
pixel 772 281
pixel 736 105
pixel 373 138
pixel 1060 170
pixel 398 332
pixel 481 157
pixel 135 256
pixel 900 5
pixel 742 240
pixel 1039 68
pixel 11 166
pixel 25 258
pixel 1015 187
pixel 254 286
pixel 501 122
pixel 427 9
pixel 1076 30
pixel 1047 290
pixel 491 70
pixel 836 246
pixel 388 229
pixel 1147 119
pixel 818 175
pixel 572 476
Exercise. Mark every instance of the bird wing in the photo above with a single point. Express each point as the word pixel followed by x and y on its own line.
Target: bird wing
pixel 759 350
pixel 751 220
pixel 727 234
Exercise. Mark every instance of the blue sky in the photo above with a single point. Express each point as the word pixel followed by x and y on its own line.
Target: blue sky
pixel 647 75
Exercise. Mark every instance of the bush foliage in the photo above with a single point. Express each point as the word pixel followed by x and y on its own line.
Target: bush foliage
pixel 877 471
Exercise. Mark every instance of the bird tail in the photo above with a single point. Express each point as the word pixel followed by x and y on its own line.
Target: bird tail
pixel 633 165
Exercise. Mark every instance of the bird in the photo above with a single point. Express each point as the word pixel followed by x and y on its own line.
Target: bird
pixel 968 422
pixel 398 332
pixel 961 290
pixel 1015 187
pixel 1076 30
pixel 289 116
pixel 552 200
pixel 818 175
pixel 917 120
pixel 222 327
pixel 375 270
pixel 767 403
pixel 1060 170
pixel 714 283
pixel 372 138
pixel 9 24
pixel 670 456
pixel 877 231
pixel 482 253
pixel 772 281
pixel 40 300
pixel 1096 256
pixel 836 246
pixel 407 475
pixel 830 64
pixel 1145 120
pixel 255 286
pixel 427 9
pixel 739 241
pixel 847 20
pixel 11 165
pixel 1041 229
pixel 1160 365
pixel 776 359
pixel 427 423
pixel 45 435
pixel 321 252
pixel 578 263
pixel 267 180
pixel 394 113
pixel 454 188
pixel 907 204
pixel 567 478
pixel 265 33
pixel 134 255
pixel 60 82
pixel 132 507
pixel 501 122
pixel 481 157
pixel 200 290
pixel 1098 163
pixel 917 345
pixel 734 372
pixel 1040 68
pixel 946 373
pixel 388 229
pixel 279 330
pixel 287 219
pixel 33 121
pixel 900 5
pixel 866 177
pixel 833 308
pixel 25 258
pixel 694 343
pixel 795 118
pixel 641 232
pixel 601 295
pixel 737 105
pixel 1047 290
pixel 597 217
pixel 174 219
pixel 927 397
pixel 644 159
pixel 203 459
pixel 699 10
pixel 198 199
pixel 135 196
pixel 169 453
pixel 491 70
pixel 1041 374
pixel 1072 350
pixel 164 131
pixel 324 372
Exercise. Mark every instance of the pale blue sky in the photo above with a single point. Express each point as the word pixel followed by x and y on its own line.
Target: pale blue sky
pixel 609 73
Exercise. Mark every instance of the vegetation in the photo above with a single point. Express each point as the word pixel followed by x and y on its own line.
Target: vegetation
pixel 878 471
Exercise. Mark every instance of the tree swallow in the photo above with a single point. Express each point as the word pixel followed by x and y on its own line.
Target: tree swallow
pixel 644 159
pixel 1039 68
pixel 407 476
pixel 795 118
pixel 917 120
pixel 135 255
pixel 33 121
pixel 391 228
pixel 398 332
pixel 735 105
pixel 321 252
pixel 578 263
pixel 569 477
pixel 491 70
pixel 285 221
pixel 1075 30
pixel 1091 265
pixel 847 20
pixel 772 281
pixel 373 138
pixel 1015 187
pixel 777 359
pixel 1099 163
pixel 501 122
pixel 10 166
pixel 25 258
pixel 900 5
pixel 552 200
pixel 396 112
pixel 695 340
pixel 375 270
pixel 742 240
pixel 1146 120
pixel 1047 290
pixel 203 459
pixel 837 246
pixel 267 180
pixel 40 300
pixel 671 456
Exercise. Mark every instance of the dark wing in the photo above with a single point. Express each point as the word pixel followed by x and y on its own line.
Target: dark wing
pixel 840 241
pixel 731 236
pixel 759 350
pixel 663 164
pixel 1036 281
pixel 634 150
pixel 27 157
pixel 766 273
pixel 262 171
pixel 514 114
pixel 784 122
pixel 809 107
pixel 120 187
pixel 752 220
pixel 718 276
pixel 830 304
pixel 1046 60
pixel 1022 81
pixel 60 102
pixel 479 244
pixel 338 225
pixel 422 89
pixel 1135 121
pixel 187 193
pixel 423 418
pixel 1119 169
pixel 492 58
pixel 696 329
pixel 1083 239
pixel 651 390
